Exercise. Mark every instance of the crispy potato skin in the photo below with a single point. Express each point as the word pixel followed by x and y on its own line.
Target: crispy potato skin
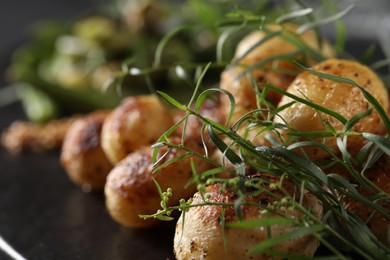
pixel 138 121
pixel 345 99
pixel 131 191
pixel 199 235
pixel 82 156
pixel 238 80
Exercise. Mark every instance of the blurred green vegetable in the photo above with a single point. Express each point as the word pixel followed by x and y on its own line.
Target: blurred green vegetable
pixel 89 63
pixel 58 69
pixel 38 106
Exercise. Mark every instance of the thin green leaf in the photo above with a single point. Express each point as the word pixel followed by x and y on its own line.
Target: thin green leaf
pixel 199 82
pixel 381 63
pixel 349 189
pixel 232 156
pixel 172 101
pixel 260 64
pixel 202 96
pixel 356 118
pixel 339 24
pixel 321 146
pixel 299 161
pixel 311 104
pixel 173 160
pixel 369 55
pixel 311 134
pixel 294 234
pixel 164 41
pixel 223 39
pixel 308 26
pixel 269 221
pixel 382 142
pixel 268 37
pixel 294 14
pixel 374 155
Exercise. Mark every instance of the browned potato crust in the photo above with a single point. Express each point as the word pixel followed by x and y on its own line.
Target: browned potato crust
pixel 82 156
pixel 345 99
pixel 131 191
pixel 199 233
pixel 138 121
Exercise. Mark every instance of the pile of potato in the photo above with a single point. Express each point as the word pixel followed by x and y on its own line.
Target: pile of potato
pixel 111 150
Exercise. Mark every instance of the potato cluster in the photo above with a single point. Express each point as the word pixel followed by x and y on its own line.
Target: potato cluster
pixel 112 150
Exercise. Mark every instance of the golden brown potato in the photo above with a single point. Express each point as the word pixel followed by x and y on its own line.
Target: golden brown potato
pixel 345 99
pixel 82 156
pixel 199 235
pixel 131 191
pixel 238 79
pixel 138 121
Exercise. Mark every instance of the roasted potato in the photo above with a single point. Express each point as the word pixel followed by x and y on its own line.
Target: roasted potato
pixel 131 191
pixel 138 121
pixel 82 155
pixel 347 100
pixel 239 78
pixel 200 233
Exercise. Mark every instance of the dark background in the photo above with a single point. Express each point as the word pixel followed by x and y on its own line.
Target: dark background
pixel 42 214
pixel 17 16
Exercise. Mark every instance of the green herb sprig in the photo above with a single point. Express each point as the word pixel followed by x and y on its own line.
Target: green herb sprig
pixel 341 232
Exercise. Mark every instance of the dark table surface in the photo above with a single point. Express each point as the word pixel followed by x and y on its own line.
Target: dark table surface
pixel 42 214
